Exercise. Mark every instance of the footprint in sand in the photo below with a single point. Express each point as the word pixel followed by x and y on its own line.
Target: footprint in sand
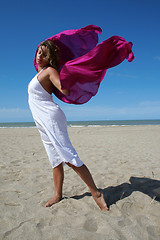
pixel 90 225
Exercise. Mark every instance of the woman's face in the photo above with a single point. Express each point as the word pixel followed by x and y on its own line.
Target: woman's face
pixel 42 57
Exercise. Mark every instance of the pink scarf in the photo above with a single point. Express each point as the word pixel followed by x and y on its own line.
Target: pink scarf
pixel 84 63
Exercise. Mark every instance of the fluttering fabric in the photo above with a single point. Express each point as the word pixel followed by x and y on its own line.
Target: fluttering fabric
pixel 84 63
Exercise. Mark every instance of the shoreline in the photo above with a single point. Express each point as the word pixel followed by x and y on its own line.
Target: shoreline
pixel 91 126
pixel 87 126
pixel 87 123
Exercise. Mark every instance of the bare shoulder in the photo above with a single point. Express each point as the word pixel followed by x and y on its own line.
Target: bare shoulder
pixel 52 72
pixel 54 77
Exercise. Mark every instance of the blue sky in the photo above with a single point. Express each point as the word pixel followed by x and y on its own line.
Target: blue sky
pixel 128 91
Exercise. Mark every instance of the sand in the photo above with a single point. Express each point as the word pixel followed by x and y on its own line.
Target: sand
pixel 125 164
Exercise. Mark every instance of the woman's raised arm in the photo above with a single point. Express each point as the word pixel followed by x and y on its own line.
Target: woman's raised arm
pixel 55 79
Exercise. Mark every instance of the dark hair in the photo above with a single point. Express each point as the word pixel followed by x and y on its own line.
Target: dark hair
pixel 53 57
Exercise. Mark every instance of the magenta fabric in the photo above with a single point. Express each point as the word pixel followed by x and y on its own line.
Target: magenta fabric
pixel 84 63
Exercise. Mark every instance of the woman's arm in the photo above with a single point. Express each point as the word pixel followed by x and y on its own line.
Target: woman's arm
pixel 55 79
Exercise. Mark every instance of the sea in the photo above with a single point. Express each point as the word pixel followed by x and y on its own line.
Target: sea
pixel 87 123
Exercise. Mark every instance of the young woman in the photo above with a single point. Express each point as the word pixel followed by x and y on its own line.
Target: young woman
pixel 51 123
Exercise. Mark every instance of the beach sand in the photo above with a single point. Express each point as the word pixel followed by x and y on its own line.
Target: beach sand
pixel 125 164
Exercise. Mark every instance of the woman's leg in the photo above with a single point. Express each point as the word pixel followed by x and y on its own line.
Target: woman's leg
pixel 86 176
pixel 58 177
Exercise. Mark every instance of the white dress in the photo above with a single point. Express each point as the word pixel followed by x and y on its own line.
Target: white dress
pixel 51 123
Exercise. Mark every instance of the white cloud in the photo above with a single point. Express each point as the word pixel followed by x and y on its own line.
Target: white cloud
pixel 122 75
pixel 150 104
pixel 143 110
pixel 15 115
pixel 157 58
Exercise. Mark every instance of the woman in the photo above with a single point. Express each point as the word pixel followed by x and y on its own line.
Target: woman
pixel 51 123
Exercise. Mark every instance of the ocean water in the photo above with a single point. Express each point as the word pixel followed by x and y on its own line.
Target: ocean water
pixel 88 123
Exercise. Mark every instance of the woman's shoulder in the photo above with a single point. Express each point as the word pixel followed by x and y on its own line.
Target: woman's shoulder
pixel 51 71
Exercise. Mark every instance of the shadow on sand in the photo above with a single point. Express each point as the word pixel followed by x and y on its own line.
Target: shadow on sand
pixel 112 195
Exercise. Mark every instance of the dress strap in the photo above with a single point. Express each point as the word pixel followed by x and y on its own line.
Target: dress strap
pixel 40 71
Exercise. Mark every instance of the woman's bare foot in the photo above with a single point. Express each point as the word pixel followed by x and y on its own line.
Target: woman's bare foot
pixel 99 199
pixel 53 201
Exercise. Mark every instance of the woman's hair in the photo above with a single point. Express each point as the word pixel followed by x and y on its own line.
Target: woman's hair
pixel 53 50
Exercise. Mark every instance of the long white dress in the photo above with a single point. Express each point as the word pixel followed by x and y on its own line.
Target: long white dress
pixel 51 123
